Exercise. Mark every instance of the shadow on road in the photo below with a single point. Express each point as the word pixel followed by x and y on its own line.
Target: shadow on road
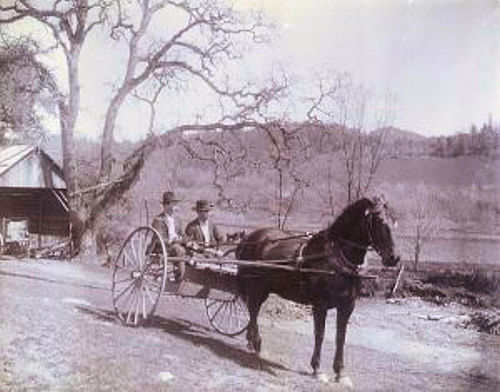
pixel 193 333
pixel 99 314
pixel 198 335
pixel 61 282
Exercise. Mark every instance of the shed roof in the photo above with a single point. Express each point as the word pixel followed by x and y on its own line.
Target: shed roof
pixel 24 166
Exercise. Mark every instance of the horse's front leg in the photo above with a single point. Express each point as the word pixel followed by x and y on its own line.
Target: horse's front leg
pixel 343 313
pixel 255 299
pixel 253 336
pixel 319 314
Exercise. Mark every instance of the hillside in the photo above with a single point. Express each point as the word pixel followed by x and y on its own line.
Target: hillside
pixel 462 171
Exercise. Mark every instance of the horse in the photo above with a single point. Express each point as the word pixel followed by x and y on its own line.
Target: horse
pixel 338 251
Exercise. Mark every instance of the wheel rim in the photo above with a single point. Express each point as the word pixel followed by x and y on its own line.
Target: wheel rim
pixel 228 317
pixel 138 277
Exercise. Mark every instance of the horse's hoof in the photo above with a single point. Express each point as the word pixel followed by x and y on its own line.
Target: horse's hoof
pixel 322 377
pixel 345 381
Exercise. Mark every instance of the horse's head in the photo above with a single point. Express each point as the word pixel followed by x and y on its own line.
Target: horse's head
pixel 379 220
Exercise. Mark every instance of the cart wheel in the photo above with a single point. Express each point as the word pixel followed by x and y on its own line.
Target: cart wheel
pixel 138 276
pixel 229 317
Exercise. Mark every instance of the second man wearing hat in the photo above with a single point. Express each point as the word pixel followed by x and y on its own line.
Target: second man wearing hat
pixel 201 230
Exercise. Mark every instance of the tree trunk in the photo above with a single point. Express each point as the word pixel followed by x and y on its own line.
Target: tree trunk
pixel 418 240
pixel 107 157
pixel 68 113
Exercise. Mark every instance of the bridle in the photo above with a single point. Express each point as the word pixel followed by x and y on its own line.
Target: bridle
pixel 346 263
pixel 371 244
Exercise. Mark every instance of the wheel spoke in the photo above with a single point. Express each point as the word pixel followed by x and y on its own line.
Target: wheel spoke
pixel 227 312
pixel 134 252
pixel 216 312
pixel 152 283
pixel 134 300
pixel 142 249
pixel 137 306
pixel 124 290
pixel 151 299
pixel 132 261
pixel 133 307
pixel 143 295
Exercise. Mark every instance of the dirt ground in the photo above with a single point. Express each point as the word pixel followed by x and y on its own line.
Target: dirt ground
pixel 58 333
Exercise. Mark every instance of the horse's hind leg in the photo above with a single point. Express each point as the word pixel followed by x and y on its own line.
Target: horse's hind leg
pixel 319 314
pixel 255 299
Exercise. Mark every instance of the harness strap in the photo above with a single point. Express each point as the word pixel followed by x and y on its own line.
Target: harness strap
pixel 337 260
pixel 345 266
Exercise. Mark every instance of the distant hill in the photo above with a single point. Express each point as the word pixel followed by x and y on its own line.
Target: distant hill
pixel 393 133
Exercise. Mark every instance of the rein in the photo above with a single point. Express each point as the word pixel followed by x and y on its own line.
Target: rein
pixel 343 266
pixel 272 241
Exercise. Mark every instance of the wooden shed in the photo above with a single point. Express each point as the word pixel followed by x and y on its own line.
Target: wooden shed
pixel 33 190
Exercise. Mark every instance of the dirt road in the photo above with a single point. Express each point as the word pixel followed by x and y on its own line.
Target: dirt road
pixel 58 333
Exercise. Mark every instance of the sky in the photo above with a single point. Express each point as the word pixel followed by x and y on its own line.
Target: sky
pixel 439 59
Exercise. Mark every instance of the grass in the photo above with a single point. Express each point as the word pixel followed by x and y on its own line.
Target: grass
pixel 440 283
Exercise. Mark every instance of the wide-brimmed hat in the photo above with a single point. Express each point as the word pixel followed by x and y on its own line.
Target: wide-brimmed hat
pixel 203 205
pixel 169 197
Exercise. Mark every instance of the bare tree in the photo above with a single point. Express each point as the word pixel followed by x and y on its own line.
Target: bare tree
pixel 328 188
pixel 288 153
pixel 205 38
pixel 424 219
pixel 226 156
pixel 281 149
pixel 357 125
pixel 206 35
pixel 363 147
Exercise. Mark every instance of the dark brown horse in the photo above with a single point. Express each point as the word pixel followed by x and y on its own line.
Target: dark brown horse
pixel 340 250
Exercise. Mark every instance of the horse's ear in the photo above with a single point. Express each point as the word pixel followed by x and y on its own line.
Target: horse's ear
pixel 379 200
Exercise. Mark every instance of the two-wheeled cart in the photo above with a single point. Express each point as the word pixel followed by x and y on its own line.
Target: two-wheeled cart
pixel 141 277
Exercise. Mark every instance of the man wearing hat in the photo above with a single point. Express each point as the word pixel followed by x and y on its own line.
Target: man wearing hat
pixel 170 229
pixel 201 230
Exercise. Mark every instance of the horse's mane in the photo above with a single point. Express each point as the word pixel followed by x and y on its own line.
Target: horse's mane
pixel 351 213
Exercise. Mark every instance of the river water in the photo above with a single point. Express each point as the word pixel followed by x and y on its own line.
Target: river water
pixel 456 250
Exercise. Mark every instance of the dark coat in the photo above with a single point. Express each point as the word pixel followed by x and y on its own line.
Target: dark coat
pixel 193 231
pixel 159 223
